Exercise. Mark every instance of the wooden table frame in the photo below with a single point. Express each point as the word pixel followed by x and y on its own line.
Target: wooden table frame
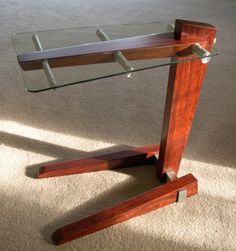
pixel 184 85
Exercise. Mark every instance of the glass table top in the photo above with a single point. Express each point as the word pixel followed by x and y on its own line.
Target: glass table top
pixel 38 80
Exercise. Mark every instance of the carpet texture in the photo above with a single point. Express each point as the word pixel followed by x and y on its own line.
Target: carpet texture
pixel 108 115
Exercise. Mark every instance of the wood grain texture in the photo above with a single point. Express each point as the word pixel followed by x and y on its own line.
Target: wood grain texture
pixel 137 156
pixel 143 203
pixel 184 85
pixel 133 48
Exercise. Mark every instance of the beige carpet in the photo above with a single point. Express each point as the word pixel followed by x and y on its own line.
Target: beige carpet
pixel 108 115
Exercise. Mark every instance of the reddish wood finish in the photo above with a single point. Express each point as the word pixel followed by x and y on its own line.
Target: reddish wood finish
pixel 185 81
pixel 184 85
pixel 143 203
pixel 134 48
pixel 137 156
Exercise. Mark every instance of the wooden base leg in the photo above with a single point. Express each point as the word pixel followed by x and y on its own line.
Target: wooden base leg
pixel 137 156
pixel 143 203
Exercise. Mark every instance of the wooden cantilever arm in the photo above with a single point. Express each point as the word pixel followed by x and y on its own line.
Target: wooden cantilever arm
pixel 134 48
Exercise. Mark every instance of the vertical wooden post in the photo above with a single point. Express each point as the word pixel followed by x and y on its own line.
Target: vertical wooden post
pixel 184 86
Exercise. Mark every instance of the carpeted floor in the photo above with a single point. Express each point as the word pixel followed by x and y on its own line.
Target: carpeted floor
pixel 114 114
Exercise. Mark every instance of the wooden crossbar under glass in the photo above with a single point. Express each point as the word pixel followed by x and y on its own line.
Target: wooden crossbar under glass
pixel 55 59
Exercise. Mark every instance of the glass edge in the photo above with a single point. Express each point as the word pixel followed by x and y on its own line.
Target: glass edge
pixel 92 26
pixel 119 74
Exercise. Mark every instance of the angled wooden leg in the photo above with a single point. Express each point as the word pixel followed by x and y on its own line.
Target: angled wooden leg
pixel 137 156
pixel 143 203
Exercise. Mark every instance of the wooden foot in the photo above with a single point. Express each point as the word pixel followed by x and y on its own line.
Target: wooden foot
pixel 137 156
pixel 143 203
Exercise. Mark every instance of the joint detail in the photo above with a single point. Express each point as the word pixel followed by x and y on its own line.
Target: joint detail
pixel 197 49
pixel 170 175
pixel 45 65
pixel 181 195
pixel 119 57
pixel 201 52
